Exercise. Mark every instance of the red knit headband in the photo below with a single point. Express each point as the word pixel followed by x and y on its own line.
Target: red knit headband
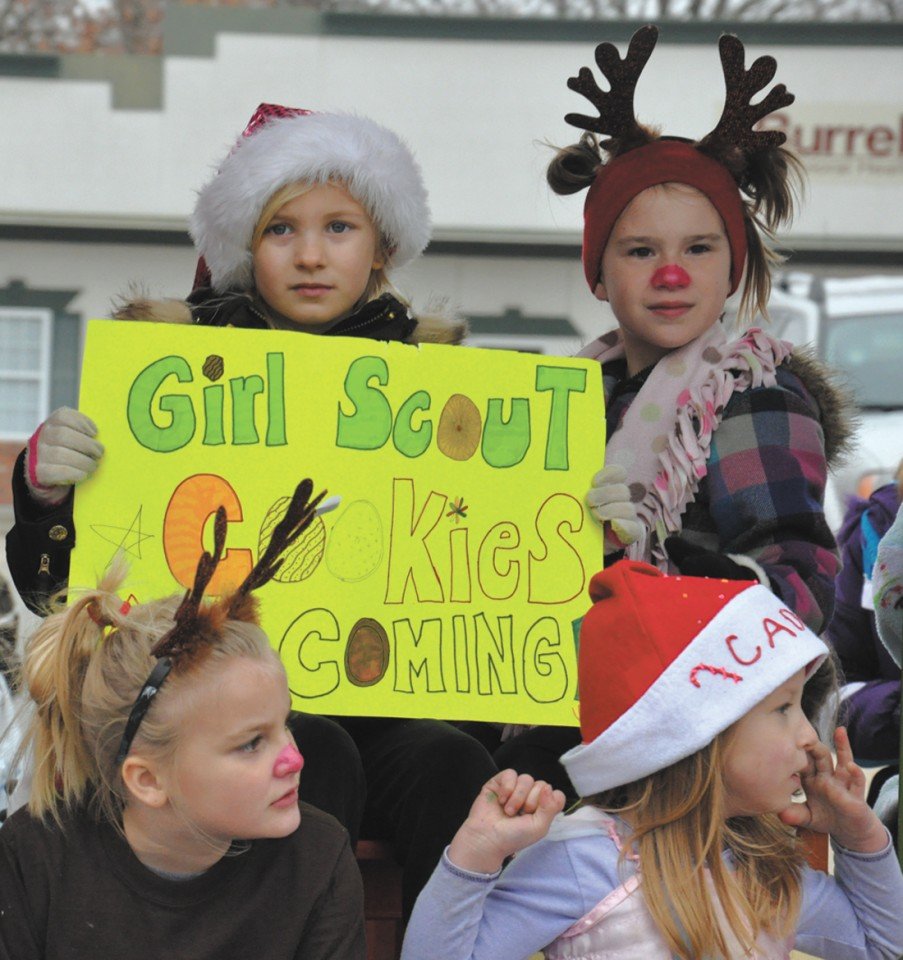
pixel 662 161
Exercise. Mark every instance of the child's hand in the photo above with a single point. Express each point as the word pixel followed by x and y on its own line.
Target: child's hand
pixel 835 799
pixel 609 501
pixel 61 453
pixel 512 812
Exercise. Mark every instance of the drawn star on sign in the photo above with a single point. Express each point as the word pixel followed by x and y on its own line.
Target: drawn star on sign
pixel 128 539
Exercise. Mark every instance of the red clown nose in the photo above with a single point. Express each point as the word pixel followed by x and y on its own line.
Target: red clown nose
pixel 670 276
pixel 289 761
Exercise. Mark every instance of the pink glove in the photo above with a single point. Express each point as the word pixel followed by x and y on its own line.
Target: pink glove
pixel 60 453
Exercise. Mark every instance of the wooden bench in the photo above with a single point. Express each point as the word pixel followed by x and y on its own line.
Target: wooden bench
pixel 382 899
pixel 816 848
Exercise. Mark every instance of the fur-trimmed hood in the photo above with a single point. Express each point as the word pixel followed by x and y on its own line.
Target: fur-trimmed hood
pixel 438 323
pixel 837 407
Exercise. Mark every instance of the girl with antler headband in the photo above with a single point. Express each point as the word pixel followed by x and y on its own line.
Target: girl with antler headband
pixel 164 816
pixel 717 448
pixel 716 454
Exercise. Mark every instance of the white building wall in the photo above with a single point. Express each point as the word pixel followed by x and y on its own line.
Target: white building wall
pixel 476 113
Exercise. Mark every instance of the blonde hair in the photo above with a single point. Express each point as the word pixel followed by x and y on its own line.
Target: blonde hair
pixel 379 280
pixel 677 828
pixel 84 668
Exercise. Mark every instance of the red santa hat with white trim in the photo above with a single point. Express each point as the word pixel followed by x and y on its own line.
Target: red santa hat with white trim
pixel 666 663
pixel 283 145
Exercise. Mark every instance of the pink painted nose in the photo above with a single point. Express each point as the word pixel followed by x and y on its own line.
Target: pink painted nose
pixel 289 761
pixel 670 276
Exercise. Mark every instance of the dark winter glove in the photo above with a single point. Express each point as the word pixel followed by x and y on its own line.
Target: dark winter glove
pixel 696 561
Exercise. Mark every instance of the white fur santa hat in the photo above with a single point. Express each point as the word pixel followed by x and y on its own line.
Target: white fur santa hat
pixel 283 145
pixel 666 663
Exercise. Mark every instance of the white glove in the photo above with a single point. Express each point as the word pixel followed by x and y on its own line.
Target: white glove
pixel 609 500
pixel 61 453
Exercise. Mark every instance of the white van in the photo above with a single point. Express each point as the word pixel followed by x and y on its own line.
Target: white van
pixel 856 325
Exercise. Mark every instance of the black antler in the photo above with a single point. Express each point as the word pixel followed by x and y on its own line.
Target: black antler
pixel 298 517
pixel 185 618
pixel 740 115
pixel 185 632
pixel 616 114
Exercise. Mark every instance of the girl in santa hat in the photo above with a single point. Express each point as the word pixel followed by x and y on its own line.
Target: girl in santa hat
pixel 296 230
pixel 684 844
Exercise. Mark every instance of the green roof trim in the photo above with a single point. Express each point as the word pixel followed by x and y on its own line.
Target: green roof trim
pixel 29 65
pixel 191 30
pixel 513 322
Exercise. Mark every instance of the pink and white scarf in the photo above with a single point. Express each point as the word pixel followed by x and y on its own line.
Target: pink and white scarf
pixel 666 435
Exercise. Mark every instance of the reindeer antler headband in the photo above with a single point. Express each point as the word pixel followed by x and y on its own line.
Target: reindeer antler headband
pixel 734 157
pixel 197 627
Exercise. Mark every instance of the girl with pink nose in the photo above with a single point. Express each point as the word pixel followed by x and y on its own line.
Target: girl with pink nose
pixel 717 446
pixel 164 817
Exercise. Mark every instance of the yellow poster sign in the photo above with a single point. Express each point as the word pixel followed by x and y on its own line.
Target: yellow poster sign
pixel 447 581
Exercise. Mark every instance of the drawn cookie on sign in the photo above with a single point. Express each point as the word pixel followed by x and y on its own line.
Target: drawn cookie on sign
pixel 304 555
pixel 356 543
pixel 366 653
pixel 460 428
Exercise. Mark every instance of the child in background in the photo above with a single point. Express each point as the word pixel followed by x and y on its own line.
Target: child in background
pixel 296 231
pixel 694 745
pixel 888 596
pixel 871 696
pixel 164 817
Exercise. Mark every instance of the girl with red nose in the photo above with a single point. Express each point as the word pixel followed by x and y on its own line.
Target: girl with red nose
pixel 717 445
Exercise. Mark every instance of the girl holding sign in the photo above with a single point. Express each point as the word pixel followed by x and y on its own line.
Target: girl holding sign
pixel 164 816
pixel 684 844
pixel 296 231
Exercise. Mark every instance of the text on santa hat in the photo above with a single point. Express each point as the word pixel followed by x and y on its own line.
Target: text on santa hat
pixel 748 649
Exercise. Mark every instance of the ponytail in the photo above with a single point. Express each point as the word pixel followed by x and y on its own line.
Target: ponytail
pixel 574 167
pixel 56 663
pixel 84 669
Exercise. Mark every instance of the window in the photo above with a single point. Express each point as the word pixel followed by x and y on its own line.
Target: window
pixel 25 338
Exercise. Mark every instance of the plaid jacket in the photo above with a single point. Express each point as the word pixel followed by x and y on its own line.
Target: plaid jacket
pixel 763 492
